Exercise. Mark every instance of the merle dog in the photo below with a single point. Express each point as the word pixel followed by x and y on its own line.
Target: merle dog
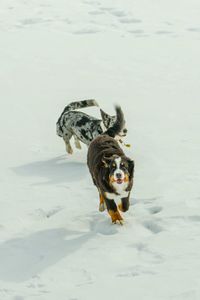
pixel 81 126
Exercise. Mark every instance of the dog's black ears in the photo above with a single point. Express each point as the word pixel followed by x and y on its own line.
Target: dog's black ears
pixel 131 166
pixel 105 118
pixel 106 161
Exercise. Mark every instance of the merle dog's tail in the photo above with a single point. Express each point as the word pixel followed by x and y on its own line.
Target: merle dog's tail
pixel 73 106
pixel 80 104
pixel 117 127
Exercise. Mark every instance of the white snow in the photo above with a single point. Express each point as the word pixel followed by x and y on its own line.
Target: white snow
pixel 143 55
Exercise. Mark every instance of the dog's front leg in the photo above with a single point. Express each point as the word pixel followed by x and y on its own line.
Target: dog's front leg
pixel 113 211
pixel 125 203
pixel 102 205
pixel 77 142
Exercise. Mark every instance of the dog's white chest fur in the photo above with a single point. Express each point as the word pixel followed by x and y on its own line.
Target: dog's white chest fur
pixel 120 190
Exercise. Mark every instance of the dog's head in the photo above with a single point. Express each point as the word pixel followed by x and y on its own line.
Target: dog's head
pixel 109 121
pixel 120 170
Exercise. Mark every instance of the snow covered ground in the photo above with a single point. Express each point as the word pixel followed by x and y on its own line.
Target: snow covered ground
pixel 144 55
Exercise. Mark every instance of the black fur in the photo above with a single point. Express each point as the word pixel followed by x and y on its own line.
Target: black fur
pixel 119 124
pixel 102 152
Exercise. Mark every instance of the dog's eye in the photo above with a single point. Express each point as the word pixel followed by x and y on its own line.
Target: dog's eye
pixel 123 165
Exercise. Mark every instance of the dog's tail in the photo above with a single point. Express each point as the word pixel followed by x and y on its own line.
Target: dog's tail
pixel 119 124
pixel 79 104
pixel 73 106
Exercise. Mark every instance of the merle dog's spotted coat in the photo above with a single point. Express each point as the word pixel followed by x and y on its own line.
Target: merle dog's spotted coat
pixel 81 126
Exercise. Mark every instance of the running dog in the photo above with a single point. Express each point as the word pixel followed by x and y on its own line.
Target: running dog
pixel 111 170
pixel 81 126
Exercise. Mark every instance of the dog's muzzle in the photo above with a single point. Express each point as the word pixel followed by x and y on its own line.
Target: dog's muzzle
pixel 119 178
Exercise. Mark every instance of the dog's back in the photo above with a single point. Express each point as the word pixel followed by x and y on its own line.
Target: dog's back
pixel 102 146
pixel 105 145
pixel 67 112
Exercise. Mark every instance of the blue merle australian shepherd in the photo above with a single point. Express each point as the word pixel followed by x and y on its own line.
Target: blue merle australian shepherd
pixel 81 126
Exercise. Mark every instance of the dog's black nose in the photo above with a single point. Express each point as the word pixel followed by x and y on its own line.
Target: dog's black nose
pixel 118 175
pixel 125 130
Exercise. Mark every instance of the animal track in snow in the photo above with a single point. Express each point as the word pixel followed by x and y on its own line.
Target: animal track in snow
pixel 41 213
pixel 108 9
pixel 194 29
pixel 141 35
pixel 53 211
pixel 93 3
pixel 153 227
pixel 18 298
pixel 118 13
pixel 96 12
pixel 31 21
pixel 136 31
pixel 136 271
pixel 163 32
pixel 155 210
pixel 143 200
pixel 45 5
pixel 194 218
pixel 66 20
pixel 86 31
pixel 129 20
pixel 148 254
pixel 99 225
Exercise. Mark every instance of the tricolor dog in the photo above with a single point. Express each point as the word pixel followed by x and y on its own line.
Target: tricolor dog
pixel 111 170
pixel 81 126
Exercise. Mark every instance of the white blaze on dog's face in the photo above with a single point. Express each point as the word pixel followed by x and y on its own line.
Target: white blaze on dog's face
pixel 119 175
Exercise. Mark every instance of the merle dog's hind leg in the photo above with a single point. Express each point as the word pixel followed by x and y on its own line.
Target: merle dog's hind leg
pixel 68 147
pixel 77 142
pixel 66 137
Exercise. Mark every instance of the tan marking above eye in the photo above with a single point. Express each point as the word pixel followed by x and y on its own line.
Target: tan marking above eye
pixel 114 165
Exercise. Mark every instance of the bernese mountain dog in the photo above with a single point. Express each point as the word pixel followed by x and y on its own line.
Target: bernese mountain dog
pixel 111 170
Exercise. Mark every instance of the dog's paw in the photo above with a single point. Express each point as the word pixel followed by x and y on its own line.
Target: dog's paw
pixel 121 222
pixel 69 151
pixel 102 207
pixel 115 216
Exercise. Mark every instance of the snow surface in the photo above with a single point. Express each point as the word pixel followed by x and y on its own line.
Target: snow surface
pixel 54 243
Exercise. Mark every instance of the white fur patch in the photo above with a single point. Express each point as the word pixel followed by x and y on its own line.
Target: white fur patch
pixel 112 196
pixel 118 170
pixel 120 188
pixel 103 126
